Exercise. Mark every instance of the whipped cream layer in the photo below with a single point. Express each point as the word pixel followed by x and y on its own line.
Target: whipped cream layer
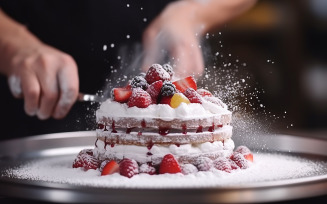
pixel 114 109
pixel 154 154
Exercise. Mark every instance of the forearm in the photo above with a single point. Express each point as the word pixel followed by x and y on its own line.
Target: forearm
pixel 210 14
pixel 13 36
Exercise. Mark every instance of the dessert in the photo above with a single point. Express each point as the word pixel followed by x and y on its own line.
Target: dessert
pixel 157 125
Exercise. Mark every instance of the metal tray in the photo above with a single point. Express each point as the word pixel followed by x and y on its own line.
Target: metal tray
pixel 13 152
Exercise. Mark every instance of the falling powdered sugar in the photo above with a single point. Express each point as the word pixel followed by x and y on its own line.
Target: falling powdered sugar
pixel 268 168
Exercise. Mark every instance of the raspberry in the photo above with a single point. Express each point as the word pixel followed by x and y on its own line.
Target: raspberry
pixel 188 169
pixel 168 89
pixel 233 164
pixel 169 165
pixel 239 159
pixel 193 96
pixel 204 163
pixel 246 152
pixel 128 167
pixel 156 73
pixel 139 81
pixel 86 160
pixel 147 169
pixel 168 69
pixel 222 164
pixel 139 98
pixel 154 90
pixel 204 92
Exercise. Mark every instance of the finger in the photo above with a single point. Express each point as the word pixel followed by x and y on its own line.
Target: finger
pixel 49 91
pixel 15 87
pixel 69 86
pixel 31 92
pixel 188 59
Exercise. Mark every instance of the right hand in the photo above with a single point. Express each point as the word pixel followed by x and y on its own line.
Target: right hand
pixel 46 78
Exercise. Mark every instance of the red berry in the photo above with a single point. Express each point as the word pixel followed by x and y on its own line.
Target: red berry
pixel 121 94
pixel 204 163
pixel 239 159
pixel 156 73
pixel 165 100
pixel 183 84
pixel 188 169
pixel 86 160
pixel 222 164
pixel 147 169
pixel 169 165
pixel 154 90
pixel 139 98
pixel 204 92
pixel 193 96
pixel 246 152
pixel 110 168
pixel 233 164
pixel 128 167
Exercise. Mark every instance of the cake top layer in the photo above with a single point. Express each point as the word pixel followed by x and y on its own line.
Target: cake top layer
pixel 153 95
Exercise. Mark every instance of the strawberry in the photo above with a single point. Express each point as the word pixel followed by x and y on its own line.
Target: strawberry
pixel 204 92
pixel 183 84
pixel 246 152
pixel 139 98
pixel 165 100
pixel 128 167
pixel 156 73
pixel 154 90
pixel 169 165
pixel 86 160
pixel 147 169
pixel 222 164
pixel 214 100
pixel 110 168
pixel 193 96
pixel 240 160
pixel 121 94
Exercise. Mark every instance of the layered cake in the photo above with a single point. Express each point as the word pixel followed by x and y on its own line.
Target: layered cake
pixel 157 125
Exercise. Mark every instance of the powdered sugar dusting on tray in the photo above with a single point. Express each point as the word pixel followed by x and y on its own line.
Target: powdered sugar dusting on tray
pixel 267 167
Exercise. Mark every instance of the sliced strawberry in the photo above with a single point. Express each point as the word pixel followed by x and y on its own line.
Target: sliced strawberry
pixel 121 94
pixel 204 92
pixel 193 96
pixel 86 160
pixel 240 160
pixel 222 164
pixel 169 165
pixel 183 84
pixel 156 73
pixel 246 152
pixel 154 90
pixel 128 168
pixel 110 168
pixel 139 98
pixel 165 100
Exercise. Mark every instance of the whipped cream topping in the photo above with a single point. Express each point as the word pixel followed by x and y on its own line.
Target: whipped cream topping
pixel 141 153
pixel 113 109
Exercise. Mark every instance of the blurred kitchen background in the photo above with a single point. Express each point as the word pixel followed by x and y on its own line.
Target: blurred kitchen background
pixel 284 46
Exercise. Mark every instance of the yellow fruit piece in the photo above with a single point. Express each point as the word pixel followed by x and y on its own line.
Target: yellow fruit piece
pixel 177 99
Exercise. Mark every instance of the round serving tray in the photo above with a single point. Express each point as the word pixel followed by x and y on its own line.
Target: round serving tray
pixel 15 151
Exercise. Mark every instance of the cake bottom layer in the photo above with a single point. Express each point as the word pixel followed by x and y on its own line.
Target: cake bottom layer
pixel 184 153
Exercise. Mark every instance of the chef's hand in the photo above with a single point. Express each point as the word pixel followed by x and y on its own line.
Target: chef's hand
pixel 46 78
pixel 177 32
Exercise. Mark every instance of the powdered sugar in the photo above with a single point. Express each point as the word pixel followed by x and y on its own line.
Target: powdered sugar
pixel 267 167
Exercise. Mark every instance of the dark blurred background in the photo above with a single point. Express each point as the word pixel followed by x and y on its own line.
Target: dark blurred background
pixel 284 46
